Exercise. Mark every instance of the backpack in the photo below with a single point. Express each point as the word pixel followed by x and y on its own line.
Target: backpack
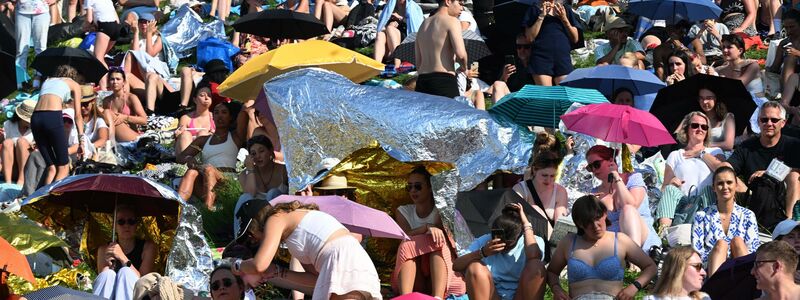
pixel 766 200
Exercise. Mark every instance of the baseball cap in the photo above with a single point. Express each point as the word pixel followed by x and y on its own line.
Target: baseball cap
pixel 784 228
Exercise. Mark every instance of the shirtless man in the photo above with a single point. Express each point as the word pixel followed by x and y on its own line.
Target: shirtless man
pixel 439 45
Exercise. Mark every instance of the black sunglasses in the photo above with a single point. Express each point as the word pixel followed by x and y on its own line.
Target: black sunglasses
pixel 131 222
pixel 697 267
pixel 594 165
pixel 226 282
pixel 414 186
pixel 698 125
pixel 773 120
pixel 340 192
pixel 526 47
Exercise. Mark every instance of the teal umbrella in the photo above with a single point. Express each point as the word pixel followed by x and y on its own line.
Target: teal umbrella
pixel 536 105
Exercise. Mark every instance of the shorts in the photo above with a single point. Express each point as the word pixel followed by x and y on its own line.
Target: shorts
pixel 550 63
pixel 138 11
pixel 111 29
pixel 439 84
pixel 48 132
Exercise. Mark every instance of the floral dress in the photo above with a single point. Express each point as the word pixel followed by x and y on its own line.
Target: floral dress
pixel 707 229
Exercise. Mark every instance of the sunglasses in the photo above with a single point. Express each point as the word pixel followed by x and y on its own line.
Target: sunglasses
pixel 520 47
pixel 698 125
pixel 86 104
pixel 414 186
pixel 226 282
pixel 708 98
pixel 341 192
pixel 594 165
pixel 773 120
pixel 697 267
pixel 121 222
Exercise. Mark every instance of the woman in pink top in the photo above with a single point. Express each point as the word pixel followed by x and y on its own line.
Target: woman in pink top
pixel 122 109
pixel 198 123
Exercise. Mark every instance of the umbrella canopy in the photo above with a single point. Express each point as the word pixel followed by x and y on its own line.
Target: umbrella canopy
pixel 58 292
pixel 618 124
pixel 475 45
pixel 357 218
pixel 733 280
pixel 676 101
pixel 675 10
pixel 83 61
pixel 249 79
pixel 14 262
pixel 608 79
pixel 281 24
pixel 414 296
pixel 480 208
pixel 536 105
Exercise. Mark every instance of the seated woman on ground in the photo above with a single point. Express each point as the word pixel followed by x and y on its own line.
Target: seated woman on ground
pixel 101 15
pixel 737 67
pixel 122 109
pixel 263 177
pixel 121 263
pixel 162 99
pixel 200 122
pixel 145 55
pixel 427 259
pixel 18 142
pixel 682 276
pixel 625 197
pixel 336 265
pixel 507 263
pixel 688 170
pixel 251 123
pixel 721 123
pixel 595 258
pixel 95 128
pixel 225 285
pixel 725 230
pixel 217 156
pixel 547 197
pixel 331 12
pixel 679 67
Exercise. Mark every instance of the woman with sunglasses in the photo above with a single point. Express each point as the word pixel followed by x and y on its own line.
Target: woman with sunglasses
pixel 95 128
pixel 225 285
pixel 122 262
pixel 681 278
pixel 625 196
pixel 688 170
pixel 427 257
pixel 725 230
pixel 122 109
pixel 721 123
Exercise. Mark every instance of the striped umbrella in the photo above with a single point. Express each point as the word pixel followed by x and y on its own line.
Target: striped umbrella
pixel 536 105
pixel 476 47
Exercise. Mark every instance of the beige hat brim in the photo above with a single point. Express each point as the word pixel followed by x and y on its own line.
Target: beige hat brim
pixel 336 188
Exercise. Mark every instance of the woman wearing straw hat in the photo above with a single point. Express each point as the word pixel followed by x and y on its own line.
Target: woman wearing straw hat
pixel 95 128
pixel 18 141
pixel 47 126
pixel 335 186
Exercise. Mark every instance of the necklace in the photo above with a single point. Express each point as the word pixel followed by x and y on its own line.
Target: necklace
pixel 219 137
pixel 271 173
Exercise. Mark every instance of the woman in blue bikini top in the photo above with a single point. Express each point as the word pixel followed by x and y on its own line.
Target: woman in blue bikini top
pixel 595 257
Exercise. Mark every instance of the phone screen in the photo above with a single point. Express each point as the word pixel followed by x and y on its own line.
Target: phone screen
pixel 510 60
pixel 498 233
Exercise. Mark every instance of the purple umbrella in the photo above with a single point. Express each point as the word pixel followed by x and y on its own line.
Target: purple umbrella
pixel 357 218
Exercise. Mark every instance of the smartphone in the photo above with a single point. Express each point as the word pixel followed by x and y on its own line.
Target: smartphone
pixel 510 60
pixel 498 234
pixel 787 46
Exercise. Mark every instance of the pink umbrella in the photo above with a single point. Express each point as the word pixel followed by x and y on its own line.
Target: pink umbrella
pixel 414 296
pixel 619 124
pixel 356 217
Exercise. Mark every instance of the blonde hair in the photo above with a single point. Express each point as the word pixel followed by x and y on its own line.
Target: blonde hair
pixel 682 132
pixel 260 220
pixel 671 280
pixel 633 59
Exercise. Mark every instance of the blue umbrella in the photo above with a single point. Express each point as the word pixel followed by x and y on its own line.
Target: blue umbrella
pixel 536 105
pixel 608 79
pixel 673 11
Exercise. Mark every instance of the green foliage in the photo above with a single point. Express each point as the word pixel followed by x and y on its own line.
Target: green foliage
pixel 630 276
pixel 756 54
pixel 587 62
pixel 218 224
pixel 368 51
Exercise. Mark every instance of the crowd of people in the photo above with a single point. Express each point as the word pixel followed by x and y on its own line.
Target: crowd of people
pixel 718 202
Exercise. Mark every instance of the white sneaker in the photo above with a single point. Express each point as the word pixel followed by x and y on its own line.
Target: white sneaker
pixel 9 206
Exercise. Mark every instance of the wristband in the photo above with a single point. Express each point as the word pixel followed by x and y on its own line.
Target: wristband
pixel 637 285
pixel 481 252
pixel 237 265
pixel 527 226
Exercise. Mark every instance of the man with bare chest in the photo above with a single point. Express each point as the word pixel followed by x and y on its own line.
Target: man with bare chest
pixel 439 45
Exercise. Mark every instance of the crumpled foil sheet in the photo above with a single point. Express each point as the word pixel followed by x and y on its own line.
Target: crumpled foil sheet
pixel 186 29
pixel 190 262
pixel 320 114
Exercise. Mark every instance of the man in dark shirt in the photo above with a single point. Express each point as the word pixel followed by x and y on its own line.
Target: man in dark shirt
pixel 752 157
pixel 515 75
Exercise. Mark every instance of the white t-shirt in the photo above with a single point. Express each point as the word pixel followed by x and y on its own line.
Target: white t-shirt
pixel 467 16
pixel 410 213
pixel 12 132
pixel 693 171
pixel 103 10
pixel 91 130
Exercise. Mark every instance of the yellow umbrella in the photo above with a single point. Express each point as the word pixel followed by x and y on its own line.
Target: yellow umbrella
pixel 248 80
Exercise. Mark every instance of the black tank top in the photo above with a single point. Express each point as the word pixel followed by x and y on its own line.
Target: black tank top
pixel 135 256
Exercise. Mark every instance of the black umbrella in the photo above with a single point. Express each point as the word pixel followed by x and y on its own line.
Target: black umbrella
pixel 480 208
pixel 733 280
pixel 476 47
pixel 8 50
pixel 83 61
pixel 281 24
pixel 674 102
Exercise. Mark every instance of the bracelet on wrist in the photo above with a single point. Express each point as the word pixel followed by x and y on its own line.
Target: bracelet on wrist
pixel 481 253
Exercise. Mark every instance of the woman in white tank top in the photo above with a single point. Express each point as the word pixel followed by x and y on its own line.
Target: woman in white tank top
pixel 552 196
pixel 335 261
pixel 217 153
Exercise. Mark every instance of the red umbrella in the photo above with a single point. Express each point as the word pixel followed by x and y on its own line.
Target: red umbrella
pixel 618 124
pixel 357 218
pixel 14 262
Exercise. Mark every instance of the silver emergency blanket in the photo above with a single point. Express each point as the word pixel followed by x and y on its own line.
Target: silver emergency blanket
pixel 320 114
pixel 186 29
pixel 190 262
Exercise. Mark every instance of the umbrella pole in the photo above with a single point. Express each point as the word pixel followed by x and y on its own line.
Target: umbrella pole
pixel 114 222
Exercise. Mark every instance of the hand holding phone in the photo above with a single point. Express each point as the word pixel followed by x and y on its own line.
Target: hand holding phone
pixel 498 234
pixel 510 60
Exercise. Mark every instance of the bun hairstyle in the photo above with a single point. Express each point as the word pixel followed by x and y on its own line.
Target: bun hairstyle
pixel 510 222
